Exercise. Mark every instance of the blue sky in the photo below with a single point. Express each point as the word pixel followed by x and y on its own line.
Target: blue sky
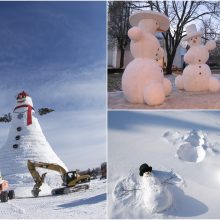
pixel 56 51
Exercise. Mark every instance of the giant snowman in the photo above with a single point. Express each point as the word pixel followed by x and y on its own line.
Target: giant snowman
pixel 197 75
pixel 25 141
pixel 143 80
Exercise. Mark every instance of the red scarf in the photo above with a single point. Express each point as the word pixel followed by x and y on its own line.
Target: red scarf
pixel 29 112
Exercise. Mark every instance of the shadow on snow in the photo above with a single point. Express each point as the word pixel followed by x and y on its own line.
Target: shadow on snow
pixel 122 120
pixel 87 201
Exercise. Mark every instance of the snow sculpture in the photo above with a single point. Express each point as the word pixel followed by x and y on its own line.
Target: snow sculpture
pixel 197 75
pixel 156 196
pixel 143 80
pixel 25 141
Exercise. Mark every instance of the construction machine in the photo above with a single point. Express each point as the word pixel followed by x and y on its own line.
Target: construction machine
pixel 72 180
pixel 5 193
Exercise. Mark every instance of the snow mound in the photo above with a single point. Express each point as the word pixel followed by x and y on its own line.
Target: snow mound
pixel 196 138
pixel 149 192
pixel 173 137
pixel 190 153
pixel 191 146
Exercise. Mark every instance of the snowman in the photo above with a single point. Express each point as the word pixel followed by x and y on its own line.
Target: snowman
pixel 143 80
pixel 197 75
pixel 25 141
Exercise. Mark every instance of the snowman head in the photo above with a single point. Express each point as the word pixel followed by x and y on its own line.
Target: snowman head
pixel 194 41
pixel 24 99
pixel 193 37
pixel 149 25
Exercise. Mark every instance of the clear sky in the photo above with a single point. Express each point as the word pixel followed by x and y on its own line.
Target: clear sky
pixel 56 51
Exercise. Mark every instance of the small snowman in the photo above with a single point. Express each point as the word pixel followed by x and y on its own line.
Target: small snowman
pixel 143 80
pixel 156 197
pixel 197 75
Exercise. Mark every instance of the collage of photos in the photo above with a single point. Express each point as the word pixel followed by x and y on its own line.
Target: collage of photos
pixel 109 109
pixel 163 109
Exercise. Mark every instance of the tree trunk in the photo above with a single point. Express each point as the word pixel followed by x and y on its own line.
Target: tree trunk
pixel 170 59
pixel 122 57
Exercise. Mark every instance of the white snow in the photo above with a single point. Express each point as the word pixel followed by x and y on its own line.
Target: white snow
pixel 83 204
pixel 183 147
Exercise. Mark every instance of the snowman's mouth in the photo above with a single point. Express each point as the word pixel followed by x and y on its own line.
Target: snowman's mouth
pixel 21 100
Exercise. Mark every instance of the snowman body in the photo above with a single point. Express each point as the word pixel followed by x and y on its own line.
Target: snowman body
pixel 156 197
pixel 197 76
pixel 143 80
pixel 25 141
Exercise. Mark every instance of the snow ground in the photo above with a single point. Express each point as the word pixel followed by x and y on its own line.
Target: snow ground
pixel 83 204
pixel 178 99
pixel 185 143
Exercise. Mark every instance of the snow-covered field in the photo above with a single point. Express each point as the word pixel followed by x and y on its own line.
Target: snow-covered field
pixel 183 147
pixel 83 204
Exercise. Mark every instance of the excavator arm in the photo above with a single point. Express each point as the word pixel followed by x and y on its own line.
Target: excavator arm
pixel 39 179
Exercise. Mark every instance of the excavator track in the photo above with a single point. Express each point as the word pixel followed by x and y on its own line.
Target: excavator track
pixel 67 190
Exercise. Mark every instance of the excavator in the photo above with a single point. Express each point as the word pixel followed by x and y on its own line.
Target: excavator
pixel 72 180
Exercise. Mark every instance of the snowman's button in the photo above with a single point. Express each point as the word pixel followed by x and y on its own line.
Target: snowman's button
pixel 158 48
pixel 15 145
pixel 19 128
pixel 17 137
pixel 156 54
pixel 199 66
pixel 200 73
pixel 199 60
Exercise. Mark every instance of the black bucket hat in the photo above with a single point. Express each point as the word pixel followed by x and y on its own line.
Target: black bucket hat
pixel 144 168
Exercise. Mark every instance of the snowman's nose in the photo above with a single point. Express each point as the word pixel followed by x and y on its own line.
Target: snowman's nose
pixel 194 41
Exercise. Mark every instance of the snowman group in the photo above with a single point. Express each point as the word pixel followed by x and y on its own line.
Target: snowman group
pixel 143 80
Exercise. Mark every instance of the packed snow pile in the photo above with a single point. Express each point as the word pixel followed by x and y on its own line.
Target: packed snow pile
pixel 26 141
pixel 186 143
pixel 152 192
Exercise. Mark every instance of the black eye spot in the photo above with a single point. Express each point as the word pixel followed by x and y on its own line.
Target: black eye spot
pixel 200 73
pixel 15 145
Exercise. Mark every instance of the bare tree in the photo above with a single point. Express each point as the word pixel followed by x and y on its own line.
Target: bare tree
pixel 118 25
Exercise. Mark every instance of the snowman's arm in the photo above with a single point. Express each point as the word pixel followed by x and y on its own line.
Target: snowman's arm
pixel 189 56
pixel 44 111
pixel 6 118
pixel 210 45
pixel 135 33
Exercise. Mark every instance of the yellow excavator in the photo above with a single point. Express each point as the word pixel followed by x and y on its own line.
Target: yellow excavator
pixel 72 181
